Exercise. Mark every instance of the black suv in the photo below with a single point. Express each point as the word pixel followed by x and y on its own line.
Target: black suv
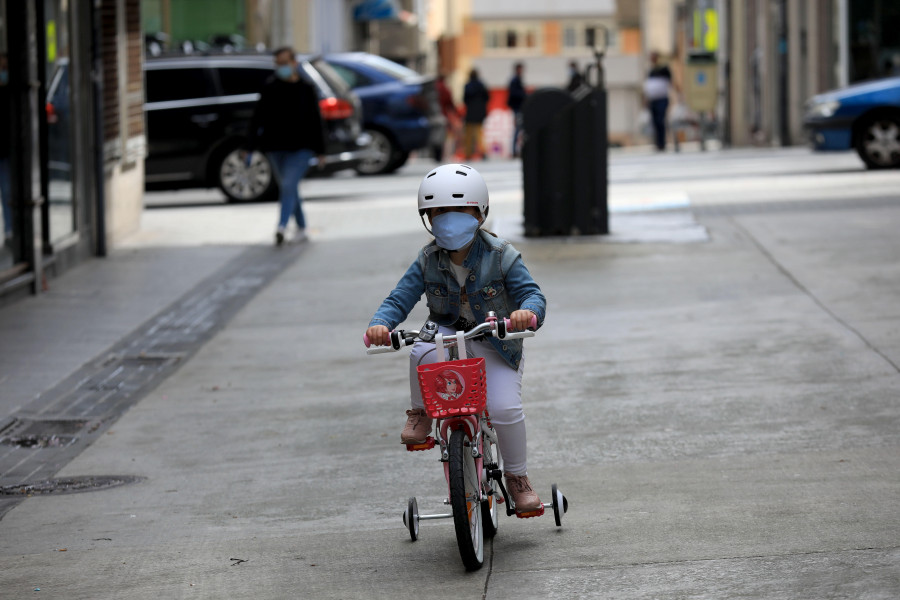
pixel 198 110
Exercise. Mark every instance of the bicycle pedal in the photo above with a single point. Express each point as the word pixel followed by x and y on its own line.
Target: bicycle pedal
pixel 428 444
pixel 532 513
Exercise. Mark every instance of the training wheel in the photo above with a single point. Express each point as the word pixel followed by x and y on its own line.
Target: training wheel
pixel 411 518
pixel 559 502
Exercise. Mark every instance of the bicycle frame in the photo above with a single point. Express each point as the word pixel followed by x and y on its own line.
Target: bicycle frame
pixel 477 427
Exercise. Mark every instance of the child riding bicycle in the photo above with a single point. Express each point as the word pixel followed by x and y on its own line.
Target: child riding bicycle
pixel 465 273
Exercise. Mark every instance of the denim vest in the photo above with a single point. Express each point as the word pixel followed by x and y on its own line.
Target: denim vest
pixel 498 281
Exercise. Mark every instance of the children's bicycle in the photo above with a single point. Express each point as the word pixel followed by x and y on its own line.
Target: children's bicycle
pixel 454 392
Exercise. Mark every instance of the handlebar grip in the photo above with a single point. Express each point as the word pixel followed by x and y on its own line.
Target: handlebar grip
pixel 368 342
pixel 520 334
pixel 533 323
pixel 380 350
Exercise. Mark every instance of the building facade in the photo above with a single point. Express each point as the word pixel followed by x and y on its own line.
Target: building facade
pixel 73 143
pixel 492 37
pixel 773 55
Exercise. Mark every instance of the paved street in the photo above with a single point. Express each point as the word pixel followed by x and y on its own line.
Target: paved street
pixel 715 389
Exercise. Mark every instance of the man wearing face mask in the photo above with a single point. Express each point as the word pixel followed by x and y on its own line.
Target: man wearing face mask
pixel 287 126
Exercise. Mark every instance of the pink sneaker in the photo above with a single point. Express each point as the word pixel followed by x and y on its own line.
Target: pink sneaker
pixel 523 495
pixel 418 427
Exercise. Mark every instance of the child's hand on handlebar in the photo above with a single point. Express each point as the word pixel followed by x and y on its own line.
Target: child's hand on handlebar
pixel 378 335
pixel 520 320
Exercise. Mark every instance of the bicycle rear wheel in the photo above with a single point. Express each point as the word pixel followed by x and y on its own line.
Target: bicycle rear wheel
pixel 464 485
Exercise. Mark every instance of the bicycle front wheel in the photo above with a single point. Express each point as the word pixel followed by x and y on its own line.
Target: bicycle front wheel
pixel 490 509
pixel 464 485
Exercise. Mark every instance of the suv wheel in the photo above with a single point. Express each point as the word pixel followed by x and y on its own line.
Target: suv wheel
pixel 382 155
pixel 878 141
pixel 242 182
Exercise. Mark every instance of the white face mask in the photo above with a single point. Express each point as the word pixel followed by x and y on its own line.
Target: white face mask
pixel 454 230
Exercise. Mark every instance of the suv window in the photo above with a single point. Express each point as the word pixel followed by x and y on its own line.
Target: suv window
pixel 242 80
pixel 353 78
pixel 179 84
pixel 389 67
pixel 332 79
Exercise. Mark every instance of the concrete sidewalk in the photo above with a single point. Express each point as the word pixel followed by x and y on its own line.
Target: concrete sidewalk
pixel 723 416
pixel 89 309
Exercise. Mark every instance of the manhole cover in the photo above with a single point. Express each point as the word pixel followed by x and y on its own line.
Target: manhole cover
pixel 24 433
pixel 68 485
pixel 40 441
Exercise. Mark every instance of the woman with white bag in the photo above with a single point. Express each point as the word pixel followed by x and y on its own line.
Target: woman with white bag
pixel 656 98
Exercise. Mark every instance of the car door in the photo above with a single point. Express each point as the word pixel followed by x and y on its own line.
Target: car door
pixel 340 108
pixel 183 121
pixel 241 85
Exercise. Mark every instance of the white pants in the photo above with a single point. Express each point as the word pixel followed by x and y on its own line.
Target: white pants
pixel 504 396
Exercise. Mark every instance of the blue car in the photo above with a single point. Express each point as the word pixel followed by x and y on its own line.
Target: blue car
pixel 864 117
pixel 400 108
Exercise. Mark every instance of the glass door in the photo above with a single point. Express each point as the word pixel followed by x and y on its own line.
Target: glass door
pixel 10 252
pixel 60 122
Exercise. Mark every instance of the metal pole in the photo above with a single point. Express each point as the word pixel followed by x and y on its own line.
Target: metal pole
pixel 783 125
pixel 97 80
pixel 726 50
pixel 25 160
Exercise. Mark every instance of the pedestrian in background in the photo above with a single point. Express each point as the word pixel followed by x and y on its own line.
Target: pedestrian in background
pixel 475 97
pixel 656 98
pixel 451 115
pixel 575 77
pixel 515 98
pixel 287 126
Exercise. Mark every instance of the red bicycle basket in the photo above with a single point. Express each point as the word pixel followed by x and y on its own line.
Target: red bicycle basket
pixel 454 388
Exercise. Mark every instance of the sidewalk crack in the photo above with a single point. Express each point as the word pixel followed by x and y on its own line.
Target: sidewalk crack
pixel 487 581
pixel 799 285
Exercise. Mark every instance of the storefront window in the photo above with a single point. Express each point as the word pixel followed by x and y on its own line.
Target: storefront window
pixel 59 120
pixel 9 251
pixel 874 39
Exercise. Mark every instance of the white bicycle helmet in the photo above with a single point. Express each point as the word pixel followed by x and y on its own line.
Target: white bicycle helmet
pixel 453 185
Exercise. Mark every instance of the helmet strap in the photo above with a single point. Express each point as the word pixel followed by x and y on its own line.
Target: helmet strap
pixel 424 224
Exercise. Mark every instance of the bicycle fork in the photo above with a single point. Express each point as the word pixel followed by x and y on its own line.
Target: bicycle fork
pixel 442 434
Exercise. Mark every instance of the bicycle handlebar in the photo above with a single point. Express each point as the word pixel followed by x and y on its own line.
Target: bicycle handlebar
pixel 401 338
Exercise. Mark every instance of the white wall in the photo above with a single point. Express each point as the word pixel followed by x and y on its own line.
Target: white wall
pixel 329 23
pixel 124 196
pixel 658 26
pixel 523 9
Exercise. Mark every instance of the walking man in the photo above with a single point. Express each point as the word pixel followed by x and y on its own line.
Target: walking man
pixel 287 126
pixel 515 98
pixel 475 97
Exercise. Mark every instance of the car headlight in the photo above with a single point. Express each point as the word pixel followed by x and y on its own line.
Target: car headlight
pixel 823 109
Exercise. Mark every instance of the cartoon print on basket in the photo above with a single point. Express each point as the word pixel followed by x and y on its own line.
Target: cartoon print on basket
pixel 449 385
